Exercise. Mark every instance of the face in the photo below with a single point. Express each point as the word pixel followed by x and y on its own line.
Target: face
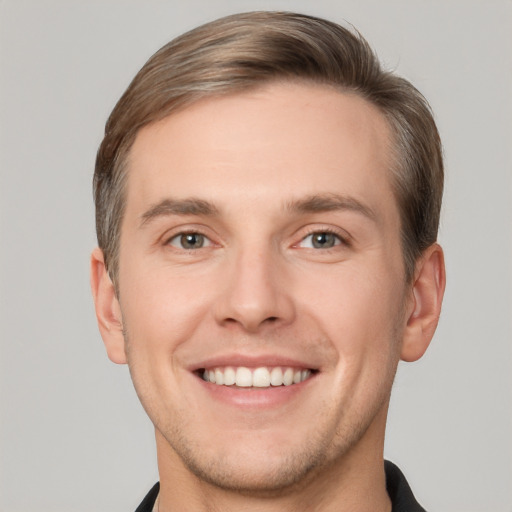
pixel 261 283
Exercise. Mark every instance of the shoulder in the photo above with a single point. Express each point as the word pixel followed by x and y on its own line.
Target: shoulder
pixel 401 495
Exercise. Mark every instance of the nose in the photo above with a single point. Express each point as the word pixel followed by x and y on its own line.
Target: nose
pixel 255 293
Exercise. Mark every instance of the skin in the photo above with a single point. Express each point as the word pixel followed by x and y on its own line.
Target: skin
pixel 256 174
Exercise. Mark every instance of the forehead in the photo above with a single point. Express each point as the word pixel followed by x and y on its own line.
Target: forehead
pixel 277 142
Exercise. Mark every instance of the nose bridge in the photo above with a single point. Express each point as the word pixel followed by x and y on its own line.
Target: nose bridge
pixel 255 293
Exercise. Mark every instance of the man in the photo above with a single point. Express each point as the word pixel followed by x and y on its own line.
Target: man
pixel 267 204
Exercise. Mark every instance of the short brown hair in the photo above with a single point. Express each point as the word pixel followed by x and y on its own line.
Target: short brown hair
pixel 242 51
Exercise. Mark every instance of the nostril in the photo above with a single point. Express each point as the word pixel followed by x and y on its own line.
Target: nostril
pixel 252 323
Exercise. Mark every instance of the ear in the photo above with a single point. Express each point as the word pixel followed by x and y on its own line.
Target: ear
pixel 108 311
pixel 425 303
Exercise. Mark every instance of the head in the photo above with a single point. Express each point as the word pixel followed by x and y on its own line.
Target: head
pixel 244 51
pixel 267 206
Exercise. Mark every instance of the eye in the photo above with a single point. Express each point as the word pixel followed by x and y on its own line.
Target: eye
pixel 189 241
pixel 320 240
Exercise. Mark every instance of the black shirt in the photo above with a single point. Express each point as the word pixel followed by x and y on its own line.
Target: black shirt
pixel 398 489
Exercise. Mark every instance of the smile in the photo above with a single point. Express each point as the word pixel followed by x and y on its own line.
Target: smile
pixel 262 377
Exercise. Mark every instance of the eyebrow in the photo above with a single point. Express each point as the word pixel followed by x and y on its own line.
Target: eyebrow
pixel 330 202
pixel 316 203
pixel 189 206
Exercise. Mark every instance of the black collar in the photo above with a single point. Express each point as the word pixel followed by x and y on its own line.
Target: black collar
pixel 399 491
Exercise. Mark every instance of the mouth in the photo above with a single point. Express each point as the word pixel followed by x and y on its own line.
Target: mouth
pixel 260 377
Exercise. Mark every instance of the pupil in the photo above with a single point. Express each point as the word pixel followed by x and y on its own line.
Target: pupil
pixel 192 241
pixel 323 240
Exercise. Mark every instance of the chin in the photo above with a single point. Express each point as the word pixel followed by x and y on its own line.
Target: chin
pixel 255 474
pixel 264 468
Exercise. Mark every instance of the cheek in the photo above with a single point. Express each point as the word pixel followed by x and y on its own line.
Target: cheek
pixel 163 308
pixel 160 315
pixel 358 311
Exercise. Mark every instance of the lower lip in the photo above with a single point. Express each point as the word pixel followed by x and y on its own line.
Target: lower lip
pixel 255 397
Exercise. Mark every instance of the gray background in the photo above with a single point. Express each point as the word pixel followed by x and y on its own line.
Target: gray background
pixel 72 434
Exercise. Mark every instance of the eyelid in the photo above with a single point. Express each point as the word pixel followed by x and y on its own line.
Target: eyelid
pixel 188 229
pixel 208 242
pixel 343 237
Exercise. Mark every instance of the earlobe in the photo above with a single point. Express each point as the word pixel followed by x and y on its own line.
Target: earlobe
pixel 425 303
pixel 108 311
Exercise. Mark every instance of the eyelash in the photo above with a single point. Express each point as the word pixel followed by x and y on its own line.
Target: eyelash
pixel 342 240
pixel 183 234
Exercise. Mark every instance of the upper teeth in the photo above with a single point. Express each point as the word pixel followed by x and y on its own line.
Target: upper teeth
pixel 256 377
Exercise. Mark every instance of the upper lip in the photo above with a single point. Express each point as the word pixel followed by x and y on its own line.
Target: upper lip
pixel 252 361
